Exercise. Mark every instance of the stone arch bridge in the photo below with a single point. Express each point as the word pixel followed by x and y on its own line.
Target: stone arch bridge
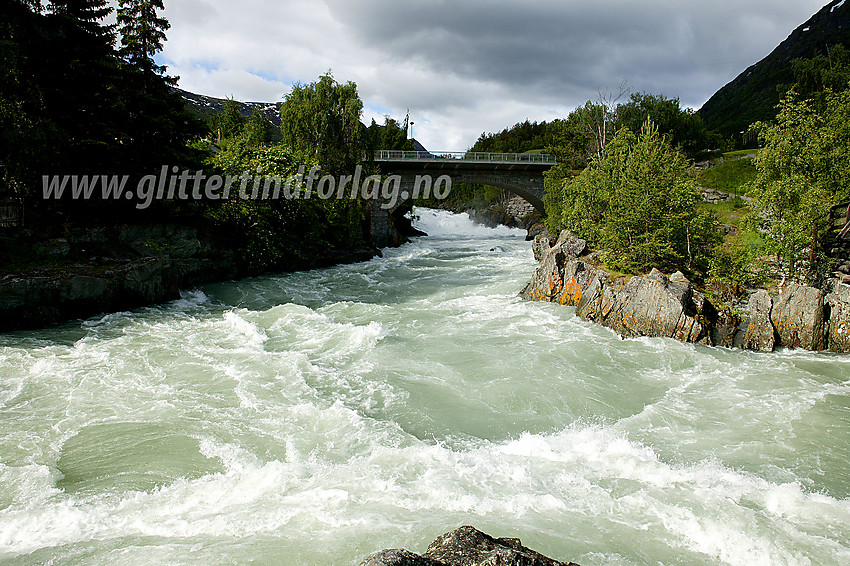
pixel 519 173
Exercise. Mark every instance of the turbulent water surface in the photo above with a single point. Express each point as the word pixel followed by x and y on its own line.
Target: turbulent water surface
pixel 314 418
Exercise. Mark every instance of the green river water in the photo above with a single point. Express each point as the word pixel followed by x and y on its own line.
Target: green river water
pixel 314 418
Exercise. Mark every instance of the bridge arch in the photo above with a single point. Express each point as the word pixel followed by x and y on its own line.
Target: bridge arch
pixel 521 174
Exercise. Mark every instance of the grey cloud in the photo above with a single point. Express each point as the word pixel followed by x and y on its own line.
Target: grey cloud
pixel 464 67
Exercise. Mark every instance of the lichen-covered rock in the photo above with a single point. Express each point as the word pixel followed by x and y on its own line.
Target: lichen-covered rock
pixel 654 306
pixel 797 316
pixel 838 303
pixel 659 306
pixel 756 331
pixel 542 244
pixel 589 306
pixel 554 277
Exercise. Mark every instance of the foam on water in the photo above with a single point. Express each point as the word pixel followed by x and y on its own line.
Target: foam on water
pixel 317 417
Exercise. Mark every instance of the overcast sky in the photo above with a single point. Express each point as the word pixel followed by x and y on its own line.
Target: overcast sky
pixel 464 67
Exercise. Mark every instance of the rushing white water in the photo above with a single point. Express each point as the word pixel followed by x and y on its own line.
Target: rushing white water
pixel 314 418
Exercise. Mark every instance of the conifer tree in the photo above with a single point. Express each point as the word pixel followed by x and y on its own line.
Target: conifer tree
pixel 142 34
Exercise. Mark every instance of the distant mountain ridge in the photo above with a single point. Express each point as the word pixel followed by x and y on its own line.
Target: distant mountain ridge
pixel 205 107
pixel 753 95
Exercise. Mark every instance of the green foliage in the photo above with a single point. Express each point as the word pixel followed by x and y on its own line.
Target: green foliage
pixel 276 233
pixel 803 169
pixel 389 135
pixel 519 138
pixel 259 130
pixel 229 123
pixel 683 127
pixel 737 265
pixel 323 119
pixel 732 176
pixel 639 203
pixel 827 72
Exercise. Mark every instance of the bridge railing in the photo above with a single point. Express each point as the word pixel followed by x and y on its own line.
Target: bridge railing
pixel 476 156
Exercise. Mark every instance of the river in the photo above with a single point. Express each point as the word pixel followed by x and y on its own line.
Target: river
pixel 313 418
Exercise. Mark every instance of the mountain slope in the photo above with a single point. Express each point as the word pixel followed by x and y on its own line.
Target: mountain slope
pixel 205 107
pixel 753 95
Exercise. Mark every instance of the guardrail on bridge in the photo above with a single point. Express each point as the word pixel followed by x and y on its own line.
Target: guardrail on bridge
pixel 472 156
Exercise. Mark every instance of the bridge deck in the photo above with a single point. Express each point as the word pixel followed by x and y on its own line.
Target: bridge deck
pixel 399 156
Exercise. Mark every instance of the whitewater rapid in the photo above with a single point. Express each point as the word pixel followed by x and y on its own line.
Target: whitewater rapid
pixel 313 418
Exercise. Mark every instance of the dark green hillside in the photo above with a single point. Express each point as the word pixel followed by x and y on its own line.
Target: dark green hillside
pixel 753 95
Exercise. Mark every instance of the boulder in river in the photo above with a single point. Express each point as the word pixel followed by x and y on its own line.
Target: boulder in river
pixel 466 546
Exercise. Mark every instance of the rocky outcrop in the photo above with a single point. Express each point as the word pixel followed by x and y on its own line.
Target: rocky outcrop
pixel 838 325
pixel 798 317
pixel 466 546
pixel 660 306
pixel 398 557
pixel 646 306
pixel 656 306
pixel 756 330
pixel 542 243
pixel 550 282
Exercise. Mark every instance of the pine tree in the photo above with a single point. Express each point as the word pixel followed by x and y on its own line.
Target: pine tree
pixel 142 34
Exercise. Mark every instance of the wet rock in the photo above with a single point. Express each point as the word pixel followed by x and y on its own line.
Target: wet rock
pixel 798 317
pixel 838 325
pixel 542 243
pixel 36 300
pixel 466 546
pixel 58 247
pixel 534 230
pixel 398 557
pixel 756 331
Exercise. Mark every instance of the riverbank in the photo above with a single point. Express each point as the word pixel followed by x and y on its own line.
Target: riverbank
pixel 107 269
pixel 656 305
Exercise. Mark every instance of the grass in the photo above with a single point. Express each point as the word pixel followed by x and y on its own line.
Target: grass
pixel 730 177
pixel 732 212
pixel 740 152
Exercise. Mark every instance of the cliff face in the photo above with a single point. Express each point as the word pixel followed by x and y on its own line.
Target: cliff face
pixel 753 95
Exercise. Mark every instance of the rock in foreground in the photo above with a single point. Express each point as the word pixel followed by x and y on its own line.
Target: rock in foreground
pixel 466 546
